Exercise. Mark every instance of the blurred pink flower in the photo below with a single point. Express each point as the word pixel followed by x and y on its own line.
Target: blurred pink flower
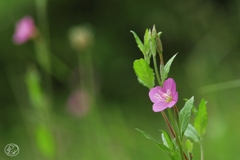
pixel 78 103
pixel 164 97
pixel 24 30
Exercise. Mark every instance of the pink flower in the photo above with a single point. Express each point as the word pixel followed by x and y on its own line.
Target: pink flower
pixel 78 103
pixel 164 97
pixel 25 30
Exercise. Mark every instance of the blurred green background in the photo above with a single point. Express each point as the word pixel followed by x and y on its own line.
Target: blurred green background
pixel 206 35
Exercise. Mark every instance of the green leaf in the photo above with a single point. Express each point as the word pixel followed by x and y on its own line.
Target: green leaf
pixel 189 145
pixel 139 42
pixel 147 38
pixel 194 110
pixel 192 133
pixel 167 141
pixel 201 119
pixel 144 73
pixel 33 81
pixel 45 141
pixel 168 151
pixel 147 41
pixel 185 113
pixel 168 66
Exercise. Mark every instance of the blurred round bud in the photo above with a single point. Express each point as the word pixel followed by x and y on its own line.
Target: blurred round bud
pixel 81 37
pixel 25 29
pixel 78 103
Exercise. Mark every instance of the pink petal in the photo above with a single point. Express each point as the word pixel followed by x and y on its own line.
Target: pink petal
pixel 154 94
pixel 171 104
pixel 175 97
pixel 25 29
pixel 159 106
pixel 174 100
pixel 170 85
pixel 78 103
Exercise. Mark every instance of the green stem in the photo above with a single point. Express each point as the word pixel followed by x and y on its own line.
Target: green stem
pixel 163 113
pixel 190 156
pixel 86 73
pixel 201 149
pixel 90 71
pixel 156 70
pixel 82 71
pixel 41 9
pixel 176 115
pixel 43 59
pixel 42 43
pixel 176 131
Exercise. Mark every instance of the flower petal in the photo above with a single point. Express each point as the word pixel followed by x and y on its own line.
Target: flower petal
pixel 159 106
pixel 24 30
pixel 170 85
pixel 174 100
pixel 155 94
pixel 175 97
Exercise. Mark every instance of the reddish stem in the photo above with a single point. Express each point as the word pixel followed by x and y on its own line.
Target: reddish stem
pixel 168 123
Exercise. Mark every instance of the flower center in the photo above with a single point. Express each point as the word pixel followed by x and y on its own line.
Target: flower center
pixel 167 96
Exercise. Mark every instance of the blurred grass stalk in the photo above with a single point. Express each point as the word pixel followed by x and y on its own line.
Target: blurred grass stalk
pixel 42 43
pixel 41 105
pixel 220 86
pixel 95 131
pixel 41 108
pixel 81 40
pixel 48 61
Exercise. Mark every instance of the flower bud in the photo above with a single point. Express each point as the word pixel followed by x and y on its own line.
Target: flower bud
pixel 154 32
pixel 78 103
pixel 81 37
pixel 25 30
pixel 159 43
pixel 153 41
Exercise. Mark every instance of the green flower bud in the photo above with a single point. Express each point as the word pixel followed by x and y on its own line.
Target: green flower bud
pixel 189 146
pixel 153 41
pixel 159 43
pixel 154 32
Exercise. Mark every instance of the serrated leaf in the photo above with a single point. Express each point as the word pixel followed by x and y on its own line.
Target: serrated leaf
pixel 168 66
pixel 139 42
pixel 144 73
pixel 192 133
pixel 185 113
pixel 201 119
pixel 167 141
pixel 168 151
